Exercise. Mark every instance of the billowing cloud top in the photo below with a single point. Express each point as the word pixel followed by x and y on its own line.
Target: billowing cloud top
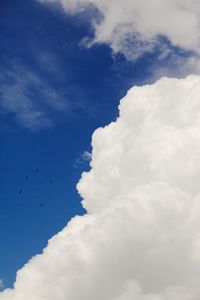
pixel 140 238
pixel 133 27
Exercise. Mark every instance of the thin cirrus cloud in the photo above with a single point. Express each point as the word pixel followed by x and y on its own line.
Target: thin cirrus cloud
pixel 136 27
pixel 31 101
pixel 140 236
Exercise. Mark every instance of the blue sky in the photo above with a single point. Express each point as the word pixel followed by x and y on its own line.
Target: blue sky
pixel 54 93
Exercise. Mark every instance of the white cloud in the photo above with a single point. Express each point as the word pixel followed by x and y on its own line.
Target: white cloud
pixel 134 27
pixel 140 238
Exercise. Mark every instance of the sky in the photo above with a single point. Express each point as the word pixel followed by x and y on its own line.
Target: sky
pixel 99 150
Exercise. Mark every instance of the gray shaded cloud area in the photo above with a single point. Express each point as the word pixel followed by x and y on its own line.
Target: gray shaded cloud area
pixel 140 237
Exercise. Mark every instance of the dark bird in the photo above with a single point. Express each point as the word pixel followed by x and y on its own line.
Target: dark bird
pixel 36 170
pixel 20 191
pixel 26 177
pixel 50 180
pixel 41 204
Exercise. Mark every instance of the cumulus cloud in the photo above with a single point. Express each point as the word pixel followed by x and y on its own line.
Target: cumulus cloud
pixel 134 27
pixel 140 236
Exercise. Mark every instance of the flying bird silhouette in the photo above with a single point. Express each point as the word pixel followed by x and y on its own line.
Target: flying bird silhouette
pixel 20 191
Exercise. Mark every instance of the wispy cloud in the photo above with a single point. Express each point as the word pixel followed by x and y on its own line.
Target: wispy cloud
pixel 83 159
pixel 29 99
pixel 1 283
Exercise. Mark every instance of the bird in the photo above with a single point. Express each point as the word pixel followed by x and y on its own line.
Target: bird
pixel 36 170
pixel 50 180
pixel 20 191
pixel 26 177
pixel 41 204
